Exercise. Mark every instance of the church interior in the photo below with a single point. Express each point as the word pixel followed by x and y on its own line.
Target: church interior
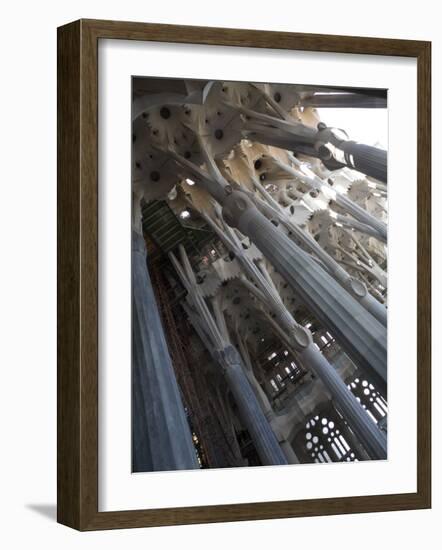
pixel 259 275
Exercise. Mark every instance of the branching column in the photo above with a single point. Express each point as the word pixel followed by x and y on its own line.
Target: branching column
pixel 316 183
pixel 360 334
pixel 299 339
pixel 230 361
pixel 265 403
pixel 356 288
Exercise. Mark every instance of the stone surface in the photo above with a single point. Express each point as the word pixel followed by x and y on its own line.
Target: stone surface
pixel 161 433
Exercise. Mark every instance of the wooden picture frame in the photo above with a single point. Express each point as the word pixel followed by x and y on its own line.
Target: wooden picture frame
pixel 78 274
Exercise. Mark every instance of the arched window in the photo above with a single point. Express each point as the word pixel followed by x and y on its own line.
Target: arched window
pixel 370 398
pixel 327 438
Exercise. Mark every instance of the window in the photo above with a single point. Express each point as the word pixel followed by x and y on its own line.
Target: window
pixel 370 398
pixel 326 438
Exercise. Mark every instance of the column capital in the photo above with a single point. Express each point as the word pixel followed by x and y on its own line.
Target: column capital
pixel 358 288
pixel 234 205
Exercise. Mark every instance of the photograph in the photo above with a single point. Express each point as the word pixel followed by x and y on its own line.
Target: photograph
pixel 259 274
pixel 218 275
pixel 218 254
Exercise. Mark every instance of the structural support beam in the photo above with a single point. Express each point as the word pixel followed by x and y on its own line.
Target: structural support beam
pixel 344 100
pixel 360 334
pixel 161 435
pixel 300 340
pixel 324 143
pixel 249 407
pixel 265 403
pixel 372 438
pixel 230 361
pixel 314 182
pixel 366 159
pixel 358 331
pixel 349 283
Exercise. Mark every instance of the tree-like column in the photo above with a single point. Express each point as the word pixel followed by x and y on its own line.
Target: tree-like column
pixel 230 361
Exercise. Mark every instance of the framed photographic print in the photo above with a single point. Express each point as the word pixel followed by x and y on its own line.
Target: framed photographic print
pixel 243 275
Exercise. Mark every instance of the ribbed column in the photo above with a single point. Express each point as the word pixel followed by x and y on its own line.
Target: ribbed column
pixel 366 159
pixel 347 100
pixel 250 410
pixel 359 333
pixel 362 215
pixel 365 429
pixel 362 227
pixel 219 346
pixel 299 338
pixel 342 200
pixel 161 435
pixel 355 288
pixel 310 358
pixel 265 404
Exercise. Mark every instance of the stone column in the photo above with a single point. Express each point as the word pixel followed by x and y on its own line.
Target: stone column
pixel 161 437
pixel 299 339
pixel 371 437
pixel 251 413
pixel 366 159
pixel 265 402
pixel 361 335
pixel 347 100
pixel 356 287
pixel 359 226
pixel 230 361
pixel 311 179
pixel 324 143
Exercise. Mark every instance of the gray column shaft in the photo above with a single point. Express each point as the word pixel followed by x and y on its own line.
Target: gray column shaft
pixel 344 101
pixel 230 361
pixel 378 310
pixel 161 435
pixel 366 159
pixel 264 403
pixel 368 301
pixel 250 410
pixel 373 440
pixel 365 429
pixel 360 334
pixel 289 452
pixel 311 358
pixel 342 200
pixel 362 215
pixel 362 227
